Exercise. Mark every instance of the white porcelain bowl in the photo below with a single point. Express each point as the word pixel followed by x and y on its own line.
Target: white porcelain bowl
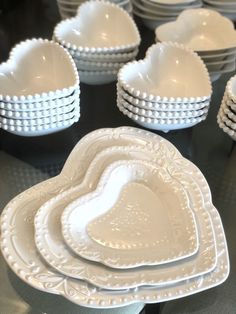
pixel 200 30
pixel 104 57
pixel 161 114
pixel 99 26
pixel 164 125
pixel 168 72
pixel 37 70
pixel 166 106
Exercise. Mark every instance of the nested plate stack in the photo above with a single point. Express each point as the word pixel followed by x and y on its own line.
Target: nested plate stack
pixel 226 117
pixel 156 12
pixel 37 98
pixel 170 89
pixel 101 39
pixel 68 8
pixel 134 223
pixel 225 7
pixel 217 50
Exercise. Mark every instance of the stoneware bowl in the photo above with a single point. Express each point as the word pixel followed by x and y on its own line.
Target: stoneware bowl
pixel 37 70
pixel 200 30
pixel 99 27
pixel 169 72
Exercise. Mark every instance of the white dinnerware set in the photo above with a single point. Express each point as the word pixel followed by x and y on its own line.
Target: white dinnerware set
pixel 40 91
pixel 226 117
pixel 225 7
pixel 100 39
pixel 170 89
pixel 131 220
pixel 68 8
pixel 204 31
pixel 156 12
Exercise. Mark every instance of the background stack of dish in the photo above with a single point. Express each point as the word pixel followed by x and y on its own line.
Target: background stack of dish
pixel 68 8
pixel 174 97
pixel 100 39
pixel 217 50
pixel 225 7
pixel 37 97
pixel 129 202
pixel 226 117
pixel 157 12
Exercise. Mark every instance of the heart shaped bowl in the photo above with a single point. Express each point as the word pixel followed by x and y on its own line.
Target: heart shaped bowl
pixel 37 70
pixel 161 106
pixel 200 30
pixel 169 73
pixel 231 88
pixel 99 27
pixel 162 124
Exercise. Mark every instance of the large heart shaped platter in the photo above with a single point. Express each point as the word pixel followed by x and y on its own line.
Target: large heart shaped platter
pixel 50 243
pixel 22 256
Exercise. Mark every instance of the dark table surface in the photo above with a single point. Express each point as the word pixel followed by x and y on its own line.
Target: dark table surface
pixel 25 161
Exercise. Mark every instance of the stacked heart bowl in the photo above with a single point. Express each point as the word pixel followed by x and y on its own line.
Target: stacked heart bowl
pixel 226 117
pixel 37 98
pixel 225 7
pixel 100 39
pixel 68 8
pixel 156 12
pixel 131 220
pixel 204 31
pixel 170 89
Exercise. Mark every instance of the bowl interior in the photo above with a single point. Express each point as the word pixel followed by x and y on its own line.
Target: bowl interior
pixel 99 25
pixel 169 71
pixel 36 67
pixel 200 30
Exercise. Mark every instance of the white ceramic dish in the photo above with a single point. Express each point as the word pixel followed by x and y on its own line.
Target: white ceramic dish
pixel 97 66
pixel 164 125
pixel 141 78
pixel 150 21
pixel 170 8
pixel 160 106
pixel 35 71
pixel 173 2
pixel 227 120
pixel 154 12
pixel 211 37
pixel 37 114
pixel 97 77
pixel 228 112
pixel 97 226
pixel 99 27
pixel 161 114
pixel 40 130
pixel 231 88
pixel 21 254
pixel 49 242
pixel 52 119
pixel 225 128
pixel 41 105
pixel 104 57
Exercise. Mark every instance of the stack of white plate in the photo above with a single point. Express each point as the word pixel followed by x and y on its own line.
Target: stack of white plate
pixel 226 117
pixel 68 8
pixel 156 12
pixel 37 97
pixel 217 50
pixel 225 7
pixel 100 39
pixel 170 89
pixel 129 202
